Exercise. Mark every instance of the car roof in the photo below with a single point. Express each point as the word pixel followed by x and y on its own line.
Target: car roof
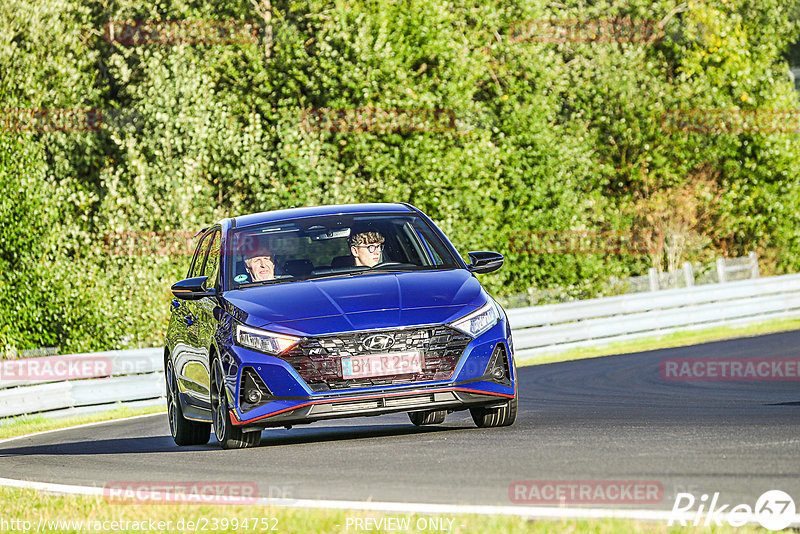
pixel 339 209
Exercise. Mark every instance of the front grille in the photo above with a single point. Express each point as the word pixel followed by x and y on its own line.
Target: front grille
pixel 318 360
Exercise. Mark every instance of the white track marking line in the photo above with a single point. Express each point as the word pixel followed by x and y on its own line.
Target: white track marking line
pixel 61 489
pixel 537 512
pixel 84 425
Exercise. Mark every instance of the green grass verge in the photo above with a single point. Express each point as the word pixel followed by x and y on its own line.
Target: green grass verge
pixel 96 513
pixel 677 339
pixel 17 426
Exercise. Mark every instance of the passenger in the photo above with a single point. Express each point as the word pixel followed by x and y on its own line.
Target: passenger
pixel 366 248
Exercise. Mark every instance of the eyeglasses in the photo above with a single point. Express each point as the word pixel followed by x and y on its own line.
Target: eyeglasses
pixel 371 248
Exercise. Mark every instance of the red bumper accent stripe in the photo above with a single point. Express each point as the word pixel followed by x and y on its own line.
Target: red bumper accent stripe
pixel 235 420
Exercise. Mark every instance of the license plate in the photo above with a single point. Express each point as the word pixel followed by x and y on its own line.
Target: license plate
pixel 394 363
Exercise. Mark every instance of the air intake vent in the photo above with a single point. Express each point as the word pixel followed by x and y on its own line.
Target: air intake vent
pixel 498 369
pixel 252 390
pixel 408 401
pixel 354 406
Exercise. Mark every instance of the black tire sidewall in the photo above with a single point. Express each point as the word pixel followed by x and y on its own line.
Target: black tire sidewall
pixel 221 409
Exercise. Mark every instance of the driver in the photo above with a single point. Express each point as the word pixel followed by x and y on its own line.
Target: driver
pixel 366 248
pixel 260 266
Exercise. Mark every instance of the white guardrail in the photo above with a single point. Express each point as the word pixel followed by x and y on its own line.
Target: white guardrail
pixel 31 385
pixel 557 327
pixel 136 377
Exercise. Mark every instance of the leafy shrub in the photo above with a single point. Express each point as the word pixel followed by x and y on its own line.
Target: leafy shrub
pixel 528 137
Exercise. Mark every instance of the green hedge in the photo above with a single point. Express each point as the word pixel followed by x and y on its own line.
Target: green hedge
pixel 518 138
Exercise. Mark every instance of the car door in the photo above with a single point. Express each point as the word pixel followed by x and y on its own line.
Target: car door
pixel 178 327
pixel 188 355
pixel 197 371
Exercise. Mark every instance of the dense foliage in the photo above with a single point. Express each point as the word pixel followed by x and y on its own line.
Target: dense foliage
pixel 500 131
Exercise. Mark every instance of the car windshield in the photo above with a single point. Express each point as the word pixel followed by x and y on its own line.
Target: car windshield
pixel 334 245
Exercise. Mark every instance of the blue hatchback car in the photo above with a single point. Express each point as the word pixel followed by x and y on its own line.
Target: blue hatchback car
pixel 306 314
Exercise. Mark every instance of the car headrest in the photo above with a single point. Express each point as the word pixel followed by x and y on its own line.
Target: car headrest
pixel 342 261
pixel 298 267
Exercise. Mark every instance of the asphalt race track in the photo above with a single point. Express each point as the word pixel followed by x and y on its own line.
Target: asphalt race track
pixel 610 418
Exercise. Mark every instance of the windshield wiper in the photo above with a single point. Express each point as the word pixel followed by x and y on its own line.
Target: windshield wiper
pixel 390 270
pixel 395 267
pixel 265 282
pixel 300 278
pixel 334 275
pixel 404 267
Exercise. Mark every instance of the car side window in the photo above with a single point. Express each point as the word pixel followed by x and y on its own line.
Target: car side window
pixel 199 256
pixel 211 268
pixel 430 244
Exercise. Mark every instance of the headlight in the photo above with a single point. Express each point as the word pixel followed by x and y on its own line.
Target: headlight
pixel 479 321
pixel 261 340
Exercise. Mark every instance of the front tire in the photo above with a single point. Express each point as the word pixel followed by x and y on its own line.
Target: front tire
pixel 184 432
pixel 432 417
pixel 504 415
pixel 229 436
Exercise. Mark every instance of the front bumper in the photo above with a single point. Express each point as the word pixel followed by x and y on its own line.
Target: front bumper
pixel 292 401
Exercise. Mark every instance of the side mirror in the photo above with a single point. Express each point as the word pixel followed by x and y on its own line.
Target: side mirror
pixel 192 288
pixel 484 261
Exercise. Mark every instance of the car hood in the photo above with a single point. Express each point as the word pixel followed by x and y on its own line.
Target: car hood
pixel 361 302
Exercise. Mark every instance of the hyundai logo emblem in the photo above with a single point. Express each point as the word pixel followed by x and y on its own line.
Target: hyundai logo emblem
pixel 378 342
